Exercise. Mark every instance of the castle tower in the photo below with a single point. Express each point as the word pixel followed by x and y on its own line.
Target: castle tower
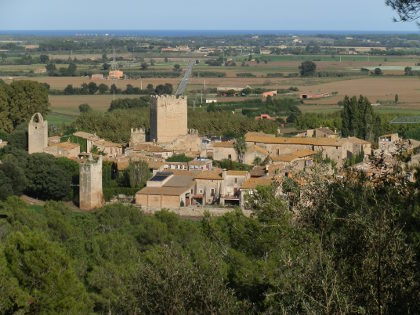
pixel 90 184
pixel 168 118
pixel 137 136
pixel 37 134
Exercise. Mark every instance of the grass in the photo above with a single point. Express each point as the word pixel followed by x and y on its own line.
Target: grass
pixel 58 119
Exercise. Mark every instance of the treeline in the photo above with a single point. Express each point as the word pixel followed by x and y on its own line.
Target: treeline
pixel 116 123
pixel 19 101
pixel 92 88
pixel 39 175
pixel 353 248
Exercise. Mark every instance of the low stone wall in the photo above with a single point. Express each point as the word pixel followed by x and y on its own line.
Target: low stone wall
pixel 197 211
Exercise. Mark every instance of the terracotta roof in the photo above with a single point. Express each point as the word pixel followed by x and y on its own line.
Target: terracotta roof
pixel 183 172
pixel 354 140
pixel 293 156
pixel 237 173
pixel 150 148
pixel 253 183
pixel 168 191
pixel 258 138
pixel 108 144
pixel 258 171
pixel 66 145
pixel 326 130
pixel 210 175
pixel 225 144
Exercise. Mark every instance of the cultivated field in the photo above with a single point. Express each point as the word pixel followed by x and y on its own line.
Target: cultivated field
pixel 69 104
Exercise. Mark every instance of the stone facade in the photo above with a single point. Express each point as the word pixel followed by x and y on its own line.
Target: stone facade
pixel 168 118
pixel 37 134
pixel 137 136
pixel 90 185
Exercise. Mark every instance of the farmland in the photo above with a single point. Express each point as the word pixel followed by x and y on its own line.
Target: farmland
pixel 343 69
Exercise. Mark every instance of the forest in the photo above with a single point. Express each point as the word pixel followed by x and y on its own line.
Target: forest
pixel 348 247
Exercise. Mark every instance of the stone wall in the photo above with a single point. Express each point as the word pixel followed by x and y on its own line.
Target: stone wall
pixel 137 136
pixel 37 134
pixel 90 189
pixel 168 118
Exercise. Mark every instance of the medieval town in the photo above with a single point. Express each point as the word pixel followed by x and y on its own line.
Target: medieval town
pixel 193 187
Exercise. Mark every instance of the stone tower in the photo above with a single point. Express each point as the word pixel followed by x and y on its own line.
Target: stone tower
pixel 90 184
pixel 168 118
pixel 37 134
pixel 137 136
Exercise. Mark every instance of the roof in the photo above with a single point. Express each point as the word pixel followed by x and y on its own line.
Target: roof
pixel 355 140
pixel 258 171
pixel 224 144
pixel 168 191
pixel 86 135
pixel 180 181
pixel 210 175
pixel 326 130
pixel 200 162
pixel 108 144
pixel 150 148
pixel 262 138
pixel 66 145
pixel 253 183
pixel 236 173
pixel 293 156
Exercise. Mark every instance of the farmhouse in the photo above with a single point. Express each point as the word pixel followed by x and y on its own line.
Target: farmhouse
pixel 115 75
pixel 269 93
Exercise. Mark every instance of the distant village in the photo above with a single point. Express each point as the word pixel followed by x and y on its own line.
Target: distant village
pixel 190 187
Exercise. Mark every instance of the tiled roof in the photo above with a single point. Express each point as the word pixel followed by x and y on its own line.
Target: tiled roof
pixel 209 175
pixel 253 183
pixel 224 144
pixel 150 148
pixel 237 173
pixel 293 156
pixel 354 140
pixel 66 145
pixel 259 138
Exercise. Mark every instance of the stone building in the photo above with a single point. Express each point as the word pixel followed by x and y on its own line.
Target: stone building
pixel 208 186
pixel 37 134
pixel 137 136
pixel 168 118
pixel 64 149
pixel 224 150
pixel 90 185
pixel 166 190
pixel 232 182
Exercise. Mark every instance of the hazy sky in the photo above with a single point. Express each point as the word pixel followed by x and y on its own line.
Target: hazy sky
pixel 201 15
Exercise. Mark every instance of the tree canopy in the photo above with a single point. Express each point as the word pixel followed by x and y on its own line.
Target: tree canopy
pixel 408 10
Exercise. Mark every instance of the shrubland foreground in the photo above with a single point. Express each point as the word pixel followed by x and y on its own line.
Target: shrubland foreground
pixel 350 247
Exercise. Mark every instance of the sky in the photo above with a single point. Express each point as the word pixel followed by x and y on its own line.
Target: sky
pixel 338 15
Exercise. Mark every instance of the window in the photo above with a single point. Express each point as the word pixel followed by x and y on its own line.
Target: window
pixel 212 191
pixel 236 180
pixel 230 156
